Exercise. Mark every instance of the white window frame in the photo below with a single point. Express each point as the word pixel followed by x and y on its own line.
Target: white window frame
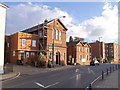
pixel 27 54
pixel 23 42
pixel 60 35
pixel 86 49
pixel 80 57
pixel 33 43
pixel 79 48
pixel 57 34
pixel 8 44
pixel 13 53
pixel 53 34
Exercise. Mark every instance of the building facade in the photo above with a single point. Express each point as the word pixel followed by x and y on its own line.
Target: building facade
pixel 21 48
pixel 97 50
pixel 105 51
pixel 112 52
pixel 52 40
pixel 2 33
pixel 78 52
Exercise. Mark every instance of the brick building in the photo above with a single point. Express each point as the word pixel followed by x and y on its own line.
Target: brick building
pixel 102 51
pixel 97 50
pixel 51 40
pixel 21 48
pixel 112 52
pixel 78 52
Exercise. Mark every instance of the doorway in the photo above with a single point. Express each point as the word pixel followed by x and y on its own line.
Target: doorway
pixel 57 58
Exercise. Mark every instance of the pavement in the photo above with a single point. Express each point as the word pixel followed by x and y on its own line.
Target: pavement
pixel 19 70
pixel 109 81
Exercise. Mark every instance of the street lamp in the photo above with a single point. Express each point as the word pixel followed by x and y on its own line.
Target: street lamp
pixel 54 27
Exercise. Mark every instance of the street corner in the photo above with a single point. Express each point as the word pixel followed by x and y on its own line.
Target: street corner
pixel 9 76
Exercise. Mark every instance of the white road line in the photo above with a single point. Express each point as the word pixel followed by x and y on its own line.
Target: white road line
pixel 76 70
pixel 46 86
pixel 51 85
pixel 40 85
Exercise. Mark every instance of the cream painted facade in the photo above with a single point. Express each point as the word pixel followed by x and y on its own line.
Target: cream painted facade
pixel 2 34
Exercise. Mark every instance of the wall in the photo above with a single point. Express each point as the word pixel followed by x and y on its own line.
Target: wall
pixel 2 33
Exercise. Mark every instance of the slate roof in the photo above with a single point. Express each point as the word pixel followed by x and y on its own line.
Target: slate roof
pixel 76 42
pixel 40 25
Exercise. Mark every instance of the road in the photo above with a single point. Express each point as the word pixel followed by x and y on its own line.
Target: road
pixel 75 77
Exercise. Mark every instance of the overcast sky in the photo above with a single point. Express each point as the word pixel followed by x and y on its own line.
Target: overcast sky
pixel 88 20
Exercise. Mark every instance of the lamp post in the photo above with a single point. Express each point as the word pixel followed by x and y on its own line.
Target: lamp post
pixel 54 27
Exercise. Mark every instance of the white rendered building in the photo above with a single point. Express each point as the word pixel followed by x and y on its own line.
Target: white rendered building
pixel 2 34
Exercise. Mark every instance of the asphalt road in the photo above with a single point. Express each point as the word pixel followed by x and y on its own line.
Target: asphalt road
pixel 75 77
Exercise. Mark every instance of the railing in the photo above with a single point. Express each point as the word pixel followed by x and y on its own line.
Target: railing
pixel 102 76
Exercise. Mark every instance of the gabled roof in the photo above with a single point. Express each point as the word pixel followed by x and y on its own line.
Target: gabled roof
pixel 76 42
pixel 40 25
pixel 3 5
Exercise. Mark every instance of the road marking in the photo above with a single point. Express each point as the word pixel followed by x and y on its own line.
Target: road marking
pixel 76 70
pixel 51 85
pixel 40 85
pixel 12 77
pixel 46 86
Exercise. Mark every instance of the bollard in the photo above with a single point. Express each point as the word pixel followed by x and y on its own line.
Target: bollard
pixel 107 71
pixel 102 75
pixel 110 70
pixel 113 68
pixel 116 67
pixel 90 87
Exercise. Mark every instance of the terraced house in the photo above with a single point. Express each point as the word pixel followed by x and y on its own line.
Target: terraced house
pixel 78 52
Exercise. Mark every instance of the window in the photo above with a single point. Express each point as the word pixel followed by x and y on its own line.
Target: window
pixel 13 53
pixel 34 43
pixel 60 35
pixel 56 34
pixel 86 57
pixel 106 45
pixel 23 42
pixel 86 49
pixel 52 34
pixel 50 55
pixel 106 50
pixel 27 54
pixel 79 49
pixel 8 45
pixel 80 57
pixel 32 53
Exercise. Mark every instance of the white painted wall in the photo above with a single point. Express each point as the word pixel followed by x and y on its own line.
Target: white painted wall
pixel 2 34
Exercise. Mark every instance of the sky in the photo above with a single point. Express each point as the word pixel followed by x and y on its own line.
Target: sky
pixel 89 20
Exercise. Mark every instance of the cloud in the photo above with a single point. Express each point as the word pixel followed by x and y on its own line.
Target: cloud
pixel 22 16
pixel 105 26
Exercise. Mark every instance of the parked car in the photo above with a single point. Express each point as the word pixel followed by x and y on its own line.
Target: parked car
pixel 93 63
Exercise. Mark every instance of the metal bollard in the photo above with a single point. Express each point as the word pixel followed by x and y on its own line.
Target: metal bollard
pixel 102 75
pixel 90 87
pixel 113 68
pixel 116 67
pixel 107 71
pixel 110 70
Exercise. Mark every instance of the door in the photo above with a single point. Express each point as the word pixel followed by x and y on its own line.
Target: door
pixel 58 58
